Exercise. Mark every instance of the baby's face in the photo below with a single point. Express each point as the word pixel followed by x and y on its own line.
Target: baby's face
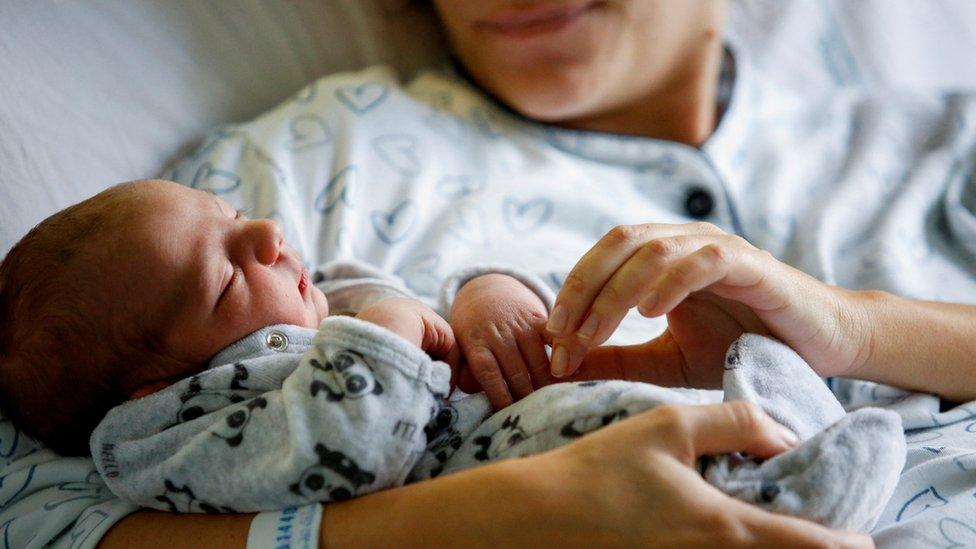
pixel 219 275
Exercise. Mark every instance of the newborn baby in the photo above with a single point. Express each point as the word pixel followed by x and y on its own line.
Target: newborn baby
pixel 251 401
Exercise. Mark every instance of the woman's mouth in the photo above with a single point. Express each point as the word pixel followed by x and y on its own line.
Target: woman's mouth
pixel 534 20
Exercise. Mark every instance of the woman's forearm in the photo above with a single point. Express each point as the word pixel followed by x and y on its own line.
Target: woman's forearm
pixel 148 528
pixel 506 503
pixel 920 345
pixel 491 505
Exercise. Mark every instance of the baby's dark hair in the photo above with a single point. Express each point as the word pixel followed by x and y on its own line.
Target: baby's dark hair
pixel 65 345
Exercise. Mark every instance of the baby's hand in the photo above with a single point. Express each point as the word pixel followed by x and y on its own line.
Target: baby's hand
pixel 418 324
pixel 500 326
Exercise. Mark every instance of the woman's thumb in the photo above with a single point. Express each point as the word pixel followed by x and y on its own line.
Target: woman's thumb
pixel 733 427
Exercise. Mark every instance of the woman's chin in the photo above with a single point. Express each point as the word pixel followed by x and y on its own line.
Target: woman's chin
pixel 550 105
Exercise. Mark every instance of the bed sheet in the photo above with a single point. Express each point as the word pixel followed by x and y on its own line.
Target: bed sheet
pixel 816 45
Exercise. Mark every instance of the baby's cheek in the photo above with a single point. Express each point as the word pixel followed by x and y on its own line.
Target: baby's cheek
pixel 321 306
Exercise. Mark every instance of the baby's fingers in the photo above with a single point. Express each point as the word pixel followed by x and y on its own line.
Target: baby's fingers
pixel 513 367
pixel 466 380
pixel 485 369
pixel 533 349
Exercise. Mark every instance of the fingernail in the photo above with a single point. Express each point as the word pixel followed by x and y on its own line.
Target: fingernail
pixel 557 320
pixel 650 300
pixel 788 436
pixel 560 362
pixel 588 329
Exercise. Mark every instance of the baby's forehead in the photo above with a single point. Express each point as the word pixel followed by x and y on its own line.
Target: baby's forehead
pixel 164 233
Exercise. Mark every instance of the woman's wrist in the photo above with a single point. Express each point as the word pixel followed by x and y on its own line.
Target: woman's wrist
pixel 857 327
pixel 875 309
pixel 918 345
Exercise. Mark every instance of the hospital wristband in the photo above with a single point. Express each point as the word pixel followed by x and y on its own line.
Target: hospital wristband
pixel 290 528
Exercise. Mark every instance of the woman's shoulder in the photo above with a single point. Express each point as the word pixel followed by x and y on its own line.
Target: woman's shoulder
pixel 309 126
pixel 889 117
pixel 340 107
pixel 360 91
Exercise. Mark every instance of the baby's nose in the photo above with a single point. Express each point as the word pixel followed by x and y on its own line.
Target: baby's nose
pixel 268 240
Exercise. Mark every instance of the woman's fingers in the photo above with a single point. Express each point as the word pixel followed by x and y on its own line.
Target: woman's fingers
pixel 685 258
pixel 597 266
pixel 658 361
pixel 623 291
pixel 786 531
pixel 658 276
pixel 724 428
pixel 656 451
pixel 733 267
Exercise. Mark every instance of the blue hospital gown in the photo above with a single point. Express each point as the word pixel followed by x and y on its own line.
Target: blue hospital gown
pixel 424 178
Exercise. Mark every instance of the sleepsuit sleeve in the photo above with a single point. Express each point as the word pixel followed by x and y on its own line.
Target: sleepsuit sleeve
pixel 264 434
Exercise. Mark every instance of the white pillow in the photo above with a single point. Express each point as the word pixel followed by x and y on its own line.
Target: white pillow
pixel 94 93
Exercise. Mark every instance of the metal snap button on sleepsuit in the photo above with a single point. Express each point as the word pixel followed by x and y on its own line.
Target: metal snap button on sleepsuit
pixel 276 341
pixel 699 203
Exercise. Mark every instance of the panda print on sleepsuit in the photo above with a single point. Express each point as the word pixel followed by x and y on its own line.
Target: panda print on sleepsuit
pixel 442 437
pixel 198 401
pixel 180 499
pixel 346 375
pixel 511 434
pixel 580 426
pixel 336 477
pixel 502 440
pixel 232 428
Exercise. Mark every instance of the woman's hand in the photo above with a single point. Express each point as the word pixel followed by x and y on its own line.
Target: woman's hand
pixel 639 481
pixel 630 484
pixel 713 286
pixel 499 324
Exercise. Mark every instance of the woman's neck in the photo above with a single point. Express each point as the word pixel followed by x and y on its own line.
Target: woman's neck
pixel 684 110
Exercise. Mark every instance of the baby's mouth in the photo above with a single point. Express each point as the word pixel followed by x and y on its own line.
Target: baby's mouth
pixel 303 282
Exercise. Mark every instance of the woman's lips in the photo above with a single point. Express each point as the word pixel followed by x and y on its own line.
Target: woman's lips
pixel 535 20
